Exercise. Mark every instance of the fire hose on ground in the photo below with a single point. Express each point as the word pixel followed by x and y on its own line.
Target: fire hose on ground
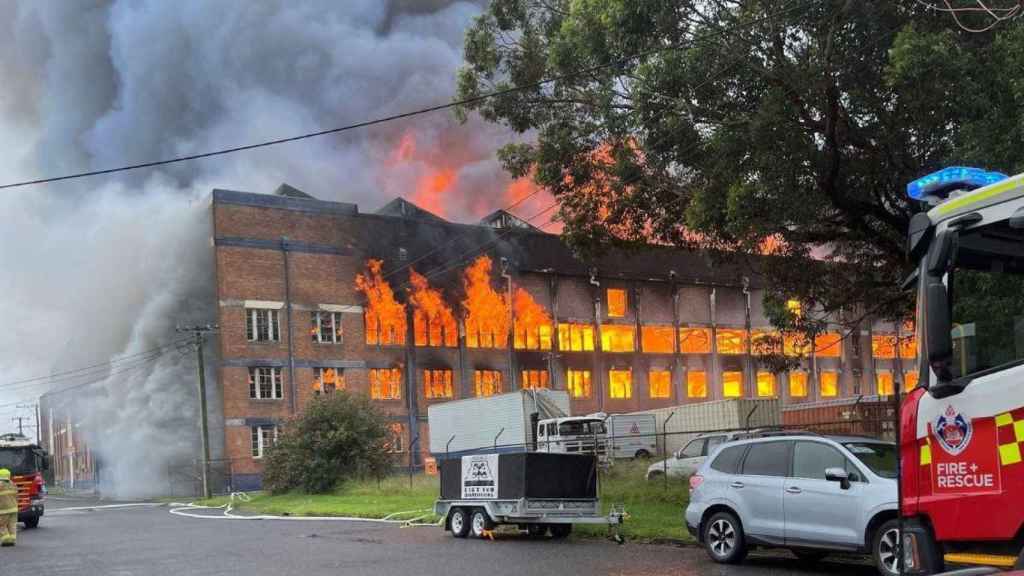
pixel 192 510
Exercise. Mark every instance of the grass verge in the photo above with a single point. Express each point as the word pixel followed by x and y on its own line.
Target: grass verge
pixel 655 510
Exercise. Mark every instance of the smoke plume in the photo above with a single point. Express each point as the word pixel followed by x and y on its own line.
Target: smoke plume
pixel 105 267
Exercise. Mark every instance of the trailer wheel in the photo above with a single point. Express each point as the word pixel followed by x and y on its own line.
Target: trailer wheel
pixel 479 522
pixel 458 522
pixel 642 454
pixel 560 531
pixel 537 530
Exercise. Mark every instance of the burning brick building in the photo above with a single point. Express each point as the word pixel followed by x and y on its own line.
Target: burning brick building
pixel 411 309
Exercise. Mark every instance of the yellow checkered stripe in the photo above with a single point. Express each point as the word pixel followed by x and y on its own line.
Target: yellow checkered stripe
pixel 1010 432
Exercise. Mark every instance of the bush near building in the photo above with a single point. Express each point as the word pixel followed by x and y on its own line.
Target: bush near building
pixel 338 437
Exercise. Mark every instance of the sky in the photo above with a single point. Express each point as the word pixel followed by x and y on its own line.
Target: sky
pixel 106 267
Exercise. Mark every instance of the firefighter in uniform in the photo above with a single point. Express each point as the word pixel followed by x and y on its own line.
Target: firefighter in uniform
pixel 8 509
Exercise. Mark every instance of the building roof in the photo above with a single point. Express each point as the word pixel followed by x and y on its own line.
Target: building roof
pixel 404 209
pixel 505 219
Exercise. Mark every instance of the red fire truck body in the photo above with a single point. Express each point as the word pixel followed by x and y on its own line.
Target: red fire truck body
pixel 962 430
pixel 26 461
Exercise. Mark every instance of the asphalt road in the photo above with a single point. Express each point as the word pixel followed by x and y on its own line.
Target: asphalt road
pixel 152 542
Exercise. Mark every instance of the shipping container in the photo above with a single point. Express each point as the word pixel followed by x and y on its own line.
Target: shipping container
pixel 687 420
pixel 872 416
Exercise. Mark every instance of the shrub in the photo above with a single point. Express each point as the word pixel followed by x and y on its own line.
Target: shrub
pixel 338 436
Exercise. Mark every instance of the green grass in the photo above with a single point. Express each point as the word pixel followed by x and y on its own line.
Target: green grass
pixel 655 512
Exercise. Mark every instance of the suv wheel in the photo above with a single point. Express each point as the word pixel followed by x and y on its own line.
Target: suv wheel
pixel 885 548
pixel 723 539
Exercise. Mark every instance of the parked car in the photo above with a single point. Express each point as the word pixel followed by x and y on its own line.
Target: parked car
pixel 688 459
pixel 811 494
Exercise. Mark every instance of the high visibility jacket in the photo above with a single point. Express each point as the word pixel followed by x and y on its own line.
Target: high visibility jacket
pixel 8 497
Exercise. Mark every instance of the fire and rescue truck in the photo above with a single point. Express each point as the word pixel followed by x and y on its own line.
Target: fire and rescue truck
pixel 27 462
pixel 962 429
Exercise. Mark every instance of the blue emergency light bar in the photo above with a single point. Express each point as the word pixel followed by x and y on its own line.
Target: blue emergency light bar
pixel 952 178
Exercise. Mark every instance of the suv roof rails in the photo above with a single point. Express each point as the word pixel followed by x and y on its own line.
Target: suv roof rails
pixel 780 432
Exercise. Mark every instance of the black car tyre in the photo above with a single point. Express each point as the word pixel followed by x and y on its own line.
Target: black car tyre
pixel 479 523
pixel 458 521
pixel 723 539
pixel 885 548
pixel 560 531
pixel 32 522
pixel 537 530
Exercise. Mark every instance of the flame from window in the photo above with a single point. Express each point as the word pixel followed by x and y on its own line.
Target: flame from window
pixel 433 323
pixel 385 317
pixel 487 312
pixel 532 322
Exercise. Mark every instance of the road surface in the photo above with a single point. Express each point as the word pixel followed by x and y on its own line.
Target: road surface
pixel 149 541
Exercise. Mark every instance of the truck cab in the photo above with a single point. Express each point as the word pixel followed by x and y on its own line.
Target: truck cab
pixel 962 429
pixel 573 435
pixel 27 462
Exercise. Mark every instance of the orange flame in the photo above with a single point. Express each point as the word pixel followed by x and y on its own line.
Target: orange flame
pixel 487 312
pixel 431 188
pixel 532 322
pixel 406 148
pixel 385 317
pixel 433 322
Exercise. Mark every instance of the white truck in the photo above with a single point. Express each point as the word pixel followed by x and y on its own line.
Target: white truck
pixel 522 421
pixel 632 435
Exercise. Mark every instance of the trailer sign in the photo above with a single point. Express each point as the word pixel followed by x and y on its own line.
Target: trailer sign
pixel 480 476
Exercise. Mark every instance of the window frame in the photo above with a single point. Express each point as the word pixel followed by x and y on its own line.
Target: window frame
pixel 608 302
pixel 848 465
pixel 317 330
pixel 258 449
pixel 256 383
pixel 375 373
pixel 586 382
pixel 650 383
pixel 252 325
pixel 627 391
pixel 430 385
pixel 318 378
pixel 788 469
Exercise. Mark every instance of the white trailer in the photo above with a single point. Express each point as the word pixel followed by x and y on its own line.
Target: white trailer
pixel 500 423
pixel 686 421
pixel 632 435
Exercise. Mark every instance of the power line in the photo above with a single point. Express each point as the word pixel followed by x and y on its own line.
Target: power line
pixel 384 119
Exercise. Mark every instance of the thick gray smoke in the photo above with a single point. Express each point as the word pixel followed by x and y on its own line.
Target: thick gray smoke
pixel 107 266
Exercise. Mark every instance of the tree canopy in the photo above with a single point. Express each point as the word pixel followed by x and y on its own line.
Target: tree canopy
pixel 787 127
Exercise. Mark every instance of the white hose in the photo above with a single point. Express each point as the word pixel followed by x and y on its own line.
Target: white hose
pixel 190 511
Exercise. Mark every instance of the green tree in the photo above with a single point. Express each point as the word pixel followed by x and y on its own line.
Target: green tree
pixel 337 437
pixel 751 126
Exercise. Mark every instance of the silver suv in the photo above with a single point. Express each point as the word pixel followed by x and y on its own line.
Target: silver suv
pixel 811 494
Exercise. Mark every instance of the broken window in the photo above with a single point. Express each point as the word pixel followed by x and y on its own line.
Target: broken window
pixel 765 342
pixel 908 346
pixel 696 384
pixel 618 338
pixel 325 327
pixel 262 325
pixel 828 382
pixel 438 384
pixel 617 302
pixel 578 382
pixel 657 339
pixel 795 345
pixel 798 384
pixel 532 324
pixel 265 383
pixel 732 384
pixel 828 345
pixel 883 346
pixel 487 382
pixel 487 312
pixel 620 384
pixel 731 341
pixel 910 380
pixel 533 379
pixel 386 383
pixel 884 383
pixel 263 437
pixel 576 337
pixel 695 340
pixel 384 316
pixel 433 322
pixel 327 380
pixel 765 384
pixel 659 383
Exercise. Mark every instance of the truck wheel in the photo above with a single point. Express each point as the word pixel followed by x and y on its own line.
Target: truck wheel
pixel 32 522
pixel 458 521
pixel 723 539
pixel 885 548
pixel 537 530
pixel 644 454
pixel 560 531
pixel 479 522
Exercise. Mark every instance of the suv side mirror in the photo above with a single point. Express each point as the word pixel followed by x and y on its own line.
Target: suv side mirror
pixel 838 475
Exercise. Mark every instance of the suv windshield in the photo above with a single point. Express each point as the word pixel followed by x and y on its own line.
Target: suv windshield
pixel 985 293
pixel 879 457
pixel 17 460
pixel 578 427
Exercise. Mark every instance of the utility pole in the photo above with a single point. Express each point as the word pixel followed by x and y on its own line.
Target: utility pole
pixel 35 410
pixel 19 420
pixel 199 338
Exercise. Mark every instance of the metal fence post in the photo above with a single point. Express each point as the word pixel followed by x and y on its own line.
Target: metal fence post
pixel 411 446
pixel 664 450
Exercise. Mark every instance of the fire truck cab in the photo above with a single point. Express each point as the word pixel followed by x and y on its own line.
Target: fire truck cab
pixel 27 462
pixel 962 429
